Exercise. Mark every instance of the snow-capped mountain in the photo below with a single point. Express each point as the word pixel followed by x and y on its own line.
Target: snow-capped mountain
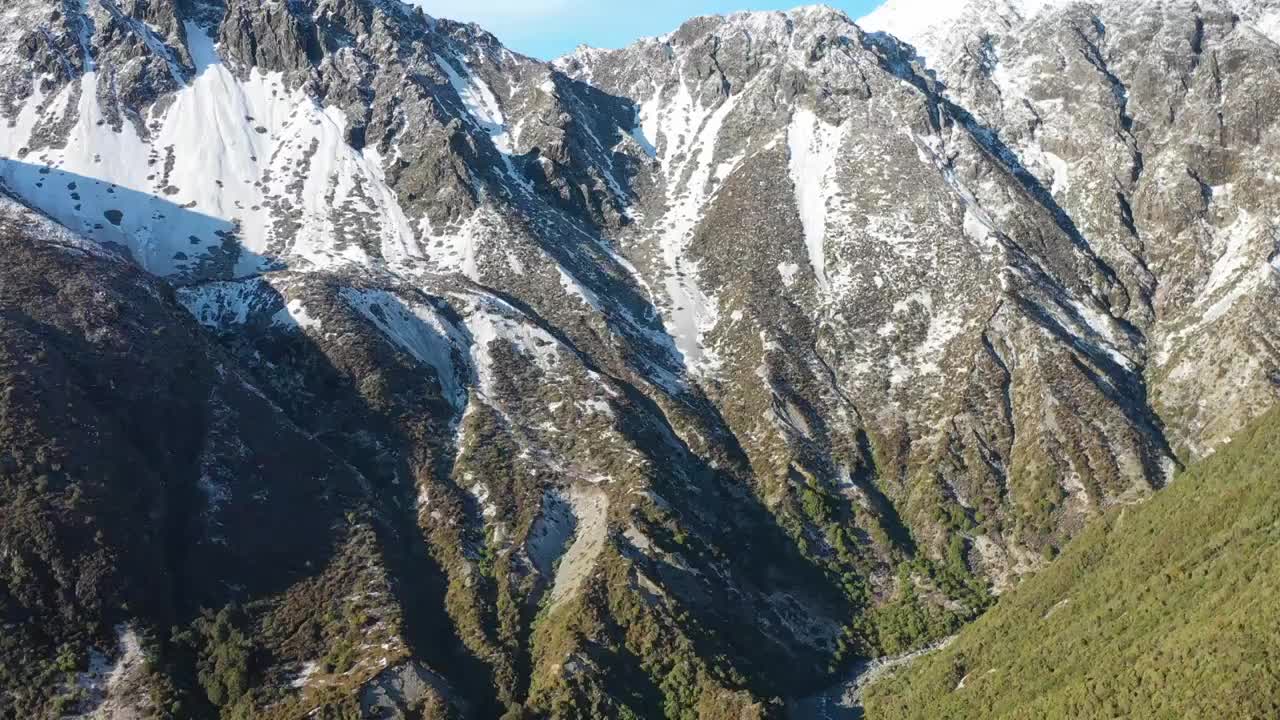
pixel 657 380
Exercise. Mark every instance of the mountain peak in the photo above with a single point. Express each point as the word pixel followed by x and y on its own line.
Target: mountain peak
pixel 926 23
pixel 773 20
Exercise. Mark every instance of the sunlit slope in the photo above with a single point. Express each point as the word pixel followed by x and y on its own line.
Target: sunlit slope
pixel 1166 610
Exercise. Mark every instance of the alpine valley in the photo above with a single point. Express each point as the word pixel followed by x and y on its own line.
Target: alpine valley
pixel 355 366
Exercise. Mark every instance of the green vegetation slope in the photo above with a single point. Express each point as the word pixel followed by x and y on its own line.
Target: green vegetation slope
pixel 1166 610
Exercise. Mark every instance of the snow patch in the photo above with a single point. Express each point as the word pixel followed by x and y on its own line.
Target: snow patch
pixel 420 331
pixel 688 134
pixel 481 494
pixel 107 687
pixel 814 147
pixel 229 167
pixel 304 676
pixel 480 103
pixel 488 326
pixel 1234 259
pixel 482 106
pixel 220 305
pixel 925 23
pixel 788 272
pixel 944 327
pixel 580 291
pixel 1269 25
pixel 294 316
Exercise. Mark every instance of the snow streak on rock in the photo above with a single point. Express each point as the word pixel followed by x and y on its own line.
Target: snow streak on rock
pixel 814 148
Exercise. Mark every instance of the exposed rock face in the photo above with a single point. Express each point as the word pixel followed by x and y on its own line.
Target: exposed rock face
pixel 1160 156
pixel 619 383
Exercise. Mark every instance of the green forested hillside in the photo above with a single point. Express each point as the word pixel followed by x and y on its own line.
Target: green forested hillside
pixel 1166 610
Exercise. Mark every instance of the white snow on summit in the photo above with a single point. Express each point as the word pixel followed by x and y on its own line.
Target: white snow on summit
pixel 925 23
pixel 910 19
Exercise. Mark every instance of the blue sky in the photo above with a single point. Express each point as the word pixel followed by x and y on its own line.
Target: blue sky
pixel 550 28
